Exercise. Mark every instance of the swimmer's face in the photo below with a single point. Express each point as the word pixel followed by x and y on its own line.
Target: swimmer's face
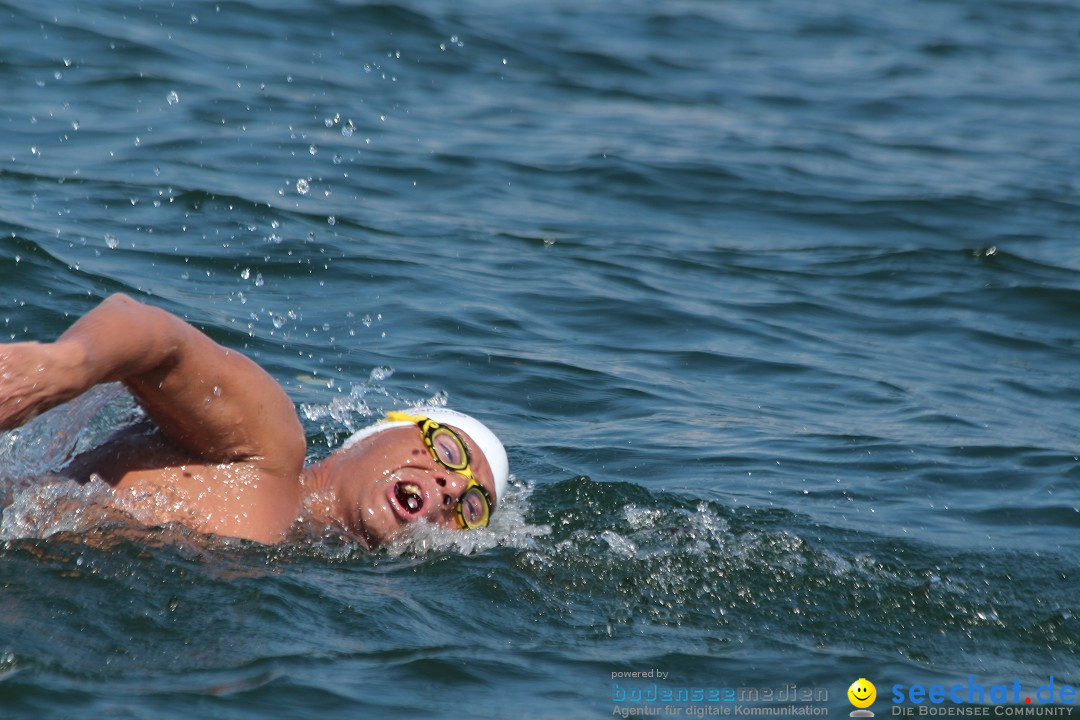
pixel 862 693
pixel 390 480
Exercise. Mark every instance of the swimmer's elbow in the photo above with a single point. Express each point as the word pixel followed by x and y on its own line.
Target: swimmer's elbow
pixel 119 297
pixel 120 302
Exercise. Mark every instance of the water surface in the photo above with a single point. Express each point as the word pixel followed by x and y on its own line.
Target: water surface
pixel 773 305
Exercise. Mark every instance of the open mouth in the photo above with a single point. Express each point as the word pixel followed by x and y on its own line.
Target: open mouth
pixel 410 497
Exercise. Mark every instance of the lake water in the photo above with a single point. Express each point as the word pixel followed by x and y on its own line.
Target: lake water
pixel 775 305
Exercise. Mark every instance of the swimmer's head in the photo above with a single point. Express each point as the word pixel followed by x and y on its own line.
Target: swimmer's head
pixel 430 464
pixel 481 435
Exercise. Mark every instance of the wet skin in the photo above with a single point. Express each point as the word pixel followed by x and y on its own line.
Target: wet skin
pixel 227 455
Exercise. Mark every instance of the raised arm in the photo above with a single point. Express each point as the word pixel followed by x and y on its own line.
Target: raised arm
pixel 213 402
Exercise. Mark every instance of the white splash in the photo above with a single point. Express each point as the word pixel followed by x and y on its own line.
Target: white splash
pixel 508 529
pixel 54 505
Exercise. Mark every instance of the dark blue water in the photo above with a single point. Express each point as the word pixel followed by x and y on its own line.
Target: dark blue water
pixel 773 303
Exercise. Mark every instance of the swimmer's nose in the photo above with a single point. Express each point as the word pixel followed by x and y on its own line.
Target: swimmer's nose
pixel 450 486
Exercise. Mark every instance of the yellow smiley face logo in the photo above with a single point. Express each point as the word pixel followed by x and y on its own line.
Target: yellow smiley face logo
pixel 862 693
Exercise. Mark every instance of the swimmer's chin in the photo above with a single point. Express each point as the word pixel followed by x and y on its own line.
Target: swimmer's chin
pixel 374 538
pixel 388 522
pixel 420 534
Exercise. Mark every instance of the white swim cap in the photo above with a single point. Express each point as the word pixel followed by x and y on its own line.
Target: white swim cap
pixel 485 439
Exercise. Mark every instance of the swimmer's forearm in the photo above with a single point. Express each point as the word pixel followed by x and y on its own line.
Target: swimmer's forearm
pixel 33 378
pixel 213 402
pixel 118 340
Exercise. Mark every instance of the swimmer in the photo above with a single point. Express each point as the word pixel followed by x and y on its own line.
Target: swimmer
pixel 226 451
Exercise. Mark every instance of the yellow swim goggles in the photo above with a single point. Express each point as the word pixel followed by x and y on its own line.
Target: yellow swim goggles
pixel 473 508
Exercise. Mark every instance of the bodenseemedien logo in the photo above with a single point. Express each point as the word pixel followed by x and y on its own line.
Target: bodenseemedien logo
pixel 862 694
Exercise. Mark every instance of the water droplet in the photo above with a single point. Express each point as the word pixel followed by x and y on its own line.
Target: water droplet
pixel 75 125
pixel 382 372
pixel 259 280
pixel 331 220
pixel 245 273
pixel 173 98
pixel 111 241
pixel 302 186
pixel 313 150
